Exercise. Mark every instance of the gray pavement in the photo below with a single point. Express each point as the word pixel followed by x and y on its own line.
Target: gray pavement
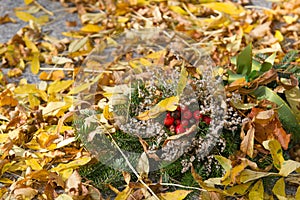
pixel 56 25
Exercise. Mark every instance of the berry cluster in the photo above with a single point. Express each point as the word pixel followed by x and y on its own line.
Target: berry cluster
pixel 180 120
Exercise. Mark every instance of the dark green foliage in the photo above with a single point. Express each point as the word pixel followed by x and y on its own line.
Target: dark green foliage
pixel 287 59
pixel 101 175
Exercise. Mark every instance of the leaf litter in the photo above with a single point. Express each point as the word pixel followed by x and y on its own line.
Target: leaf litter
pixel 41 161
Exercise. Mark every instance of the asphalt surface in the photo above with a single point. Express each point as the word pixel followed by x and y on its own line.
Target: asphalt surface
pixel 56 25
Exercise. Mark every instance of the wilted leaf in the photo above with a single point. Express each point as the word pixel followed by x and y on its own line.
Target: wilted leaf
pixel 71 165
pixel 297 196
pixel 77 44
pixel 257 191
pixel 176 195
pixel 24 16
pixel 124 194
pixel 247 143
pixel 52 108
pixel 84 86
pixel 27 192
pixel 182 80
pixel 59 86
pixel 279 189
pixel 228 8
pixel 224 162
pixel 168 104
pixel 143 165
pixel 293 97
pixel 91 28
pixel 35 63
pixel 240 189
pixel 64 197
pixel 286 115
pixel 249 175
pixel 275 148
pixel 288 166
pixel 61 60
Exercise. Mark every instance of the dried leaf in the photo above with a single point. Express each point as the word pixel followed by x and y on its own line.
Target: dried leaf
pixel 176 195
pixel 293 97
pixel 77 44
pixel 275 148
pixel 247 143
pixel 182 80
pixel 228 8
pixel 58 86
pixel 249 175
pixel 288 167
pixel 143 165
pixel 35 63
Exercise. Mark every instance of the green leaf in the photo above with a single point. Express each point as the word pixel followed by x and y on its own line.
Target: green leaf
pixel 269 62
pixel 257 191
pixel 287 59
pixel 250 175
pixel 244 61
pixel 286 115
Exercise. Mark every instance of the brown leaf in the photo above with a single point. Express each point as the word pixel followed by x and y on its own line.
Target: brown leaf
pixel 247 143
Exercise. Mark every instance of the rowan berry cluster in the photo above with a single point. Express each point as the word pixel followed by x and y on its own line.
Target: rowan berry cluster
pixel 180 120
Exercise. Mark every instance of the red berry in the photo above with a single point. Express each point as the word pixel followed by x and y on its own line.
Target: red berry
pixel 178 108
pixel 197 115
pixel 207 120
pixel 187 114
pixel 168 121
pixel 168 114
pixel 177 121
pixel 176 114
pixel 179 129
pixel 185 123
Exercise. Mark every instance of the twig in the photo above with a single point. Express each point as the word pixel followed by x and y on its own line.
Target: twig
pixel 182 186
pixel 43 8
pixel 71 69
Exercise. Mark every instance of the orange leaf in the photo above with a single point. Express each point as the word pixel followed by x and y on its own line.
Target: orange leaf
pixel 248 141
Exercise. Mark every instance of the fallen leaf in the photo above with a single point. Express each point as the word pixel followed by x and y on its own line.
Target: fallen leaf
pixel 257 191
pixel 288 166
pixel 176 195
pixel 276 152
pixel 279 189
pixel 247 143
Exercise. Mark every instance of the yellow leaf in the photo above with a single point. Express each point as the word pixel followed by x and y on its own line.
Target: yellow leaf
pixel 107 115
pixel 275 148
pixel 3 137
pixel 28 1
pixel 228 8
pixel 178 10
pixel 249 175
pixel 288 167
pixel 278 35
pixel 30 45
pixel 42 19
pixel 5 181
pixel 64 197
pixel 257 191
pixel 182 80
pixel 26 89
pixel 71 165
pixel 33 100
pixel 77 44
pixel 176 195
pixel 224 162
pixel 124 194
pixel 169 104
pixel 157 54
pixel 35 63
pixel 297 196
pixel 289 19
pixel 58 86
pixel 92 28
pixel 279 189
pixel 85 86
pixel 33 163
pixel 52 108
pixel 240 189
pixel 24 16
